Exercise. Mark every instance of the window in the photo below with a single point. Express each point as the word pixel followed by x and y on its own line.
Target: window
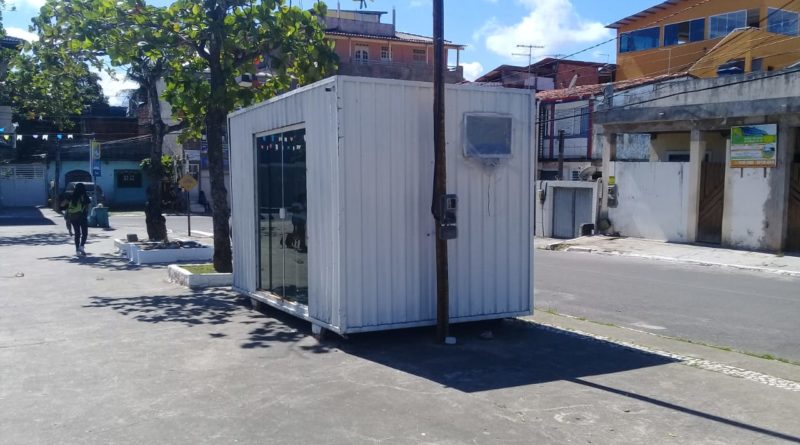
pixel 362 54
pixel 678 156
pixel 386 54
pixel 128 179
pixel 783 22
pixel 576 175
pixel 721 25
pixel 754 18
pixel 639 40
pixel 419 55
pixel 488 137
pixel 685 32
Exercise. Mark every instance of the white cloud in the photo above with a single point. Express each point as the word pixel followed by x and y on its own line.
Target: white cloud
pixel 114 87
pixel 472 70
pixel 21 34
pixel 554 24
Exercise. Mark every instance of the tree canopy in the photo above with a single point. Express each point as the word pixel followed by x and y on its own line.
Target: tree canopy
pixel 221 41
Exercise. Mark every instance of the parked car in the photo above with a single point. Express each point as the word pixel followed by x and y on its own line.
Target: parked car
pixel 89 190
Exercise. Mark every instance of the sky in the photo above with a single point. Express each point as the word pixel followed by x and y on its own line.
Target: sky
pixel 490 29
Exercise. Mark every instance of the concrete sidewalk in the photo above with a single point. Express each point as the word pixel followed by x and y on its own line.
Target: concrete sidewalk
pixel 788 265
pixel 95 350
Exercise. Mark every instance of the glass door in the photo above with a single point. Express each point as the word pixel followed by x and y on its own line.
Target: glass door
pixel 282 200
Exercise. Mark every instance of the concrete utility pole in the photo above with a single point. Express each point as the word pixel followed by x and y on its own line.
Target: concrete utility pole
pixel 530 62
pixel 440 173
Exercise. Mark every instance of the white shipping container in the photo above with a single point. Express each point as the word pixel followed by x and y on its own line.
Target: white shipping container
pixel 331 194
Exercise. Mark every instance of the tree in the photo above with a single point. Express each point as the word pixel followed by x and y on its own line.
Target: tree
pixel 43 84
pixel 221 40
pixel 119 34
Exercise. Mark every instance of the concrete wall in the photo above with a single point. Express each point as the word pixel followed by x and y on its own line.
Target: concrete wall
pixel 543 224
pixel 653 200
pixel 664 144
pixel 756 200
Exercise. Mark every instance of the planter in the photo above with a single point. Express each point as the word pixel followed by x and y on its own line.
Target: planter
pixel 183 277
pixel 124 247
pixel 142 255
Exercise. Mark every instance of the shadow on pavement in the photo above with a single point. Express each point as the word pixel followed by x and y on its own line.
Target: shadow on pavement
pixel 211 307
pixel 23 216
pixel 107 262
pixel 46 239
pixel 519 353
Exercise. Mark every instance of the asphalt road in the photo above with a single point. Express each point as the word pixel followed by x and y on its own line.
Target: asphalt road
pixel 177 225
pixel 747 311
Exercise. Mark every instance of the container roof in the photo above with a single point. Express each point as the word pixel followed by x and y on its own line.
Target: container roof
pixel 644 14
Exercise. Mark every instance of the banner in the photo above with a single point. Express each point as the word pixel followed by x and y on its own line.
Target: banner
pixel 754 146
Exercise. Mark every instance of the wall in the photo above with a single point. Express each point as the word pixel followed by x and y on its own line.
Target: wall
pixel 387 229
pixel 680 57
pixel 652 200
pixel 662 144
pixel 315 108
pixel 756 200
pixel 107 181
pixel 543 225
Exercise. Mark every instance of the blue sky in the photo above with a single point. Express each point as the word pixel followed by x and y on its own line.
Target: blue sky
pixel 490 29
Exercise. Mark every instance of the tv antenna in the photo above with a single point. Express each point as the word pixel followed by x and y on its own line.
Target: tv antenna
pixel 362 4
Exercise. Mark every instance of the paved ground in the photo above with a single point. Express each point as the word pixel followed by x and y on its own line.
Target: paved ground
pixel 97 351
pixel 749 311
pixel 788 264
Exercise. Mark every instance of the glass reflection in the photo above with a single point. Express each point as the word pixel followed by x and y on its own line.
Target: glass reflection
pixel 282 202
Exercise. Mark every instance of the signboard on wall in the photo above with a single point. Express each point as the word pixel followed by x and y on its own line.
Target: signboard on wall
pixel 754 146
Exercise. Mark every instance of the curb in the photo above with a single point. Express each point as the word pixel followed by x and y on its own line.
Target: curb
pixel 583 249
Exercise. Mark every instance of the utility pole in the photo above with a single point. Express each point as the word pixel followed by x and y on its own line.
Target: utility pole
pixel 530 49
pixel 440 174
pixel 560 155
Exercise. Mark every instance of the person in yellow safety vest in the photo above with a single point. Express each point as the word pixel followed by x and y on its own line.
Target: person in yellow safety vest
pixel 78 213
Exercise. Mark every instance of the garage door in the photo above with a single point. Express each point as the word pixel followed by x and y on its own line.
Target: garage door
pixel 572 207
pixel 22 185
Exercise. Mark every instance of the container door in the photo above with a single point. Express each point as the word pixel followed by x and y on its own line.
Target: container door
pixel 283 251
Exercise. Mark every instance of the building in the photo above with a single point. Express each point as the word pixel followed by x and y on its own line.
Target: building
pixel 675 35
pixel 570 110
pixel 369 48
pixel 722 165
pixel 550 73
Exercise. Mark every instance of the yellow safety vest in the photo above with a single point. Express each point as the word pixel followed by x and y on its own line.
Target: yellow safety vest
pixel 75 207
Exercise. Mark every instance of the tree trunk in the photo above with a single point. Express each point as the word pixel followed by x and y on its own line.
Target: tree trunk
pixel 156 223
pixel 214 130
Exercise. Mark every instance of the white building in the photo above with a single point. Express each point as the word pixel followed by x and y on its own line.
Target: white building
pixel 332 199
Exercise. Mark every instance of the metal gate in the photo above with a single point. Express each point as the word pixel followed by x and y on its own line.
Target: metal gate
pixel 572 207
pixel 22 185
pixel 793 239
pixel 712 199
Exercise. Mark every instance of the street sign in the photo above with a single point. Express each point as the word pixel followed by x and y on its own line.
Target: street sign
pixel 96 169
pixel 187 182
pixel 96 152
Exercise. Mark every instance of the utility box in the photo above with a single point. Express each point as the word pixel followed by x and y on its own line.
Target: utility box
pixel 331 199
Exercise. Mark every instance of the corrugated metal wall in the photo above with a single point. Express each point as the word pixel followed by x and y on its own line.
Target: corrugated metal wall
pixel 387 171
pixel 316 109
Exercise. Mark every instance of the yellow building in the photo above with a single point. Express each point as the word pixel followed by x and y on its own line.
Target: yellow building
pixel 704 36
